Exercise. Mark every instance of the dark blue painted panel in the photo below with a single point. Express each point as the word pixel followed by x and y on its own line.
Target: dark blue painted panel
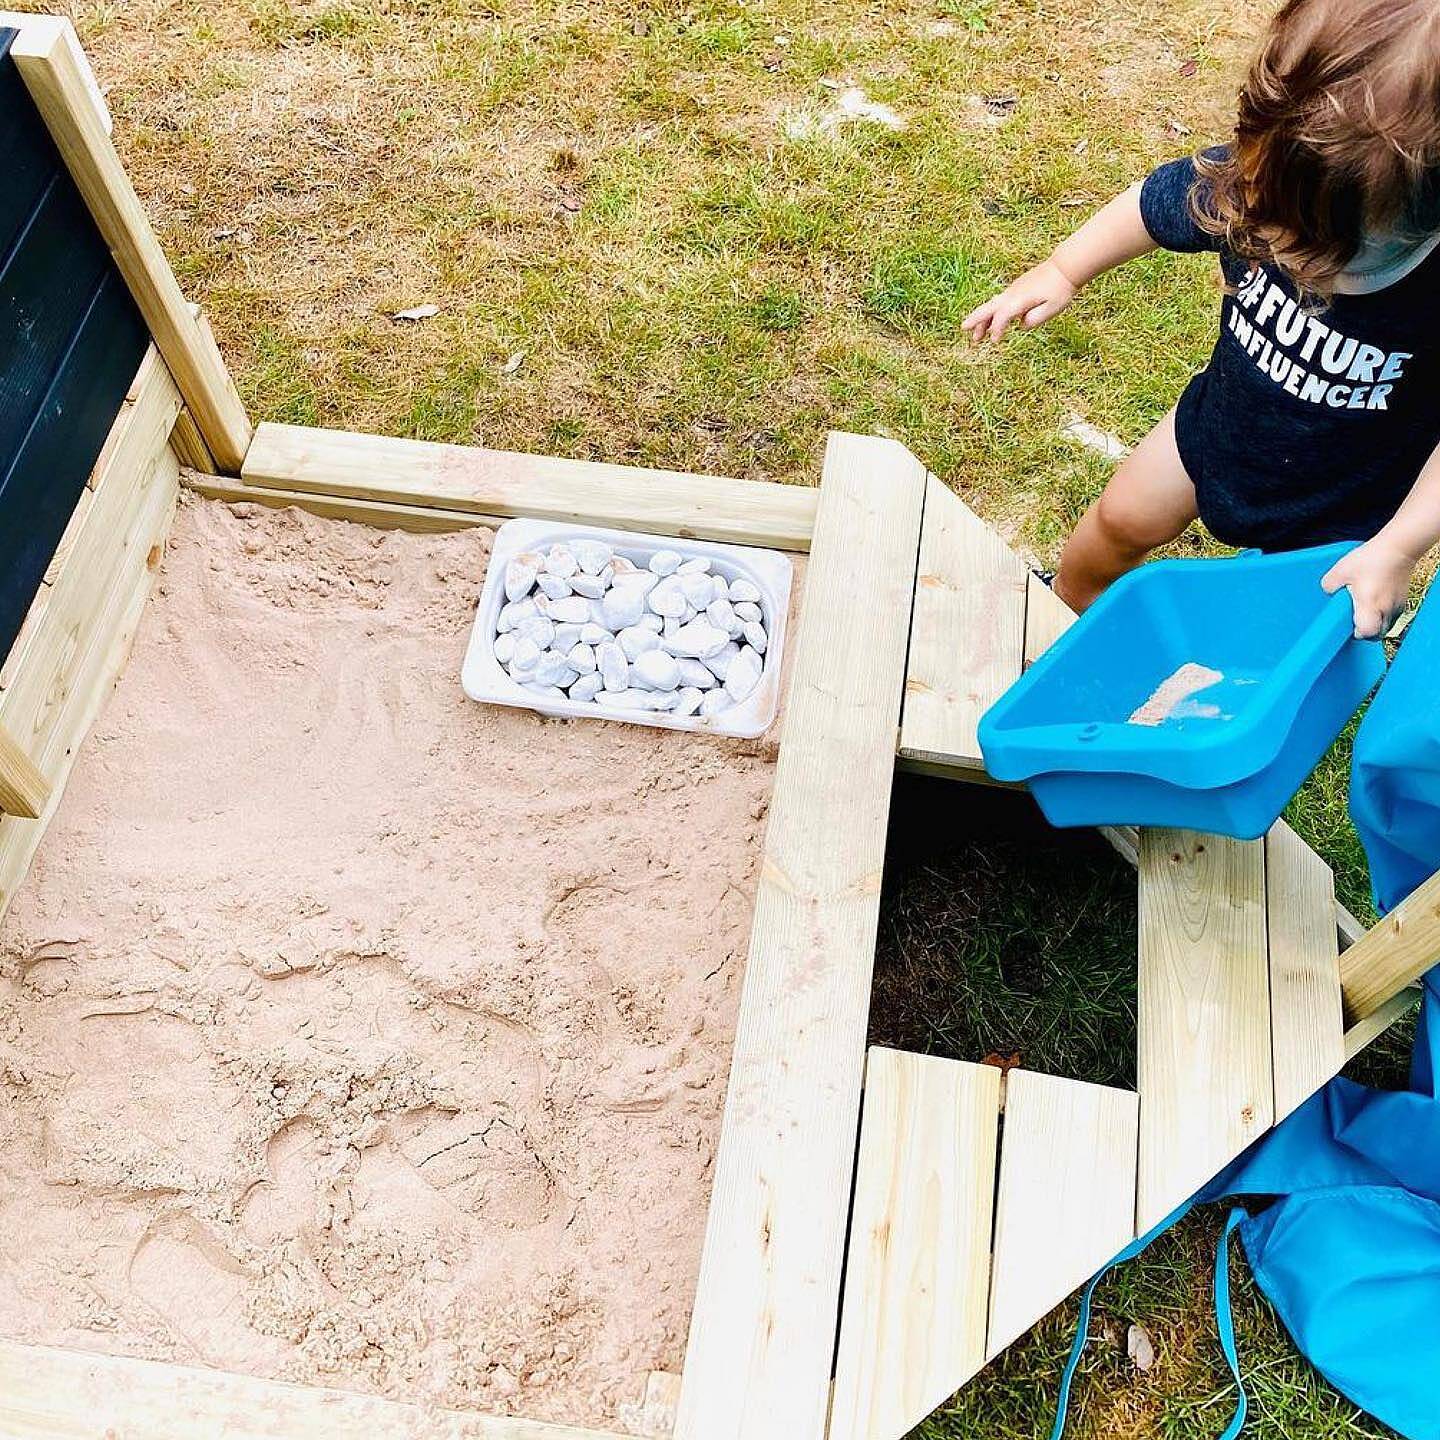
pixel 71 340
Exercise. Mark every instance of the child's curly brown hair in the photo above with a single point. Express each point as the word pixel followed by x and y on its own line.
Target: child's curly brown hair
pixel 1338 135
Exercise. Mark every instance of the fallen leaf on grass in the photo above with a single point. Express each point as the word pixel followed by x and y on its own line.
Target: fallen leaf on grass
pixel 1189 68
pixel 513 363
pixel 1140 1347
pixel 416 312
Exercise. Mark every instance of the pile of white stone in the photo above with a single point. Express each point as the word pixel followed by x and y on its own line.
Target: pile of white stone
pixel 585 623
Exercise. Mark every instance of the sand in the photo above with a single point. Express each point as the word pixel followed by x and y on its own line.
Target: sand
pixel 1172 692
pixel 352 1033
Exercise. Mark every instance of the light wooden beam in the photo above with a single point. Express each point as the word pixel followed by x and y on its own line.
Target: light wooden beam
pixel 376 468
pixel 1204 1012
pixel 51 1394
pixel 23 789
pixel 762 1333
pixel 1374 1025
pixel 51 65
pixel 917 1277
pixel 1393 954
pixel 967 632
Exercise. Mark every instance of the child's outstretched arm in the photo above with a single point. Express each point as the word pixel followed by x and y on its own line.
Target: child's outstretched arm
pixel 1378 573
pixel 1108 238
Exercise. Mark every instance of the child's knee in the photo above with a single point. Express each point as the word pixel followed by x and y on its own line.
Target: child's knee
pixel 1129 523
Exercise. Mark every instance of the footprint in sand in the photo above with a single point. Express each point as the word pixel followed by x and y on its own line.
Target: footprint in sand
pixel 184 1276
pixel 280 1207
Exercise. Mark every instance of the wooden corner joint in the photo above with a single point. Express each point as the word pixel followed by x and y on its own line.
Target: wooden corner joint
pixel 24 790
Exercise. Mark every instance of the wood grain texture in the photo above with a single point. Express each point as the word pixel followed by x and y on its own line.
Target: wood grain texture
pixel 1393 954
pixel 497 482
pixel 1066 1202
pixel 1047 618
pixel 762 1332
pixel 1204 1012
pixel 52 1394
pixel 50 64
pixel 1379 1020
pixel 23 789
pixel 967 631
pixel 190 447
pixel 1306 1025
pixel 912 1330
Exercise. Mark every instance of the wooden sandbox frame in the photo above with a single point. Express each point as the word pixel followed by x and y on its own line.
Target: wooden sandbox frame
pixel 854 1274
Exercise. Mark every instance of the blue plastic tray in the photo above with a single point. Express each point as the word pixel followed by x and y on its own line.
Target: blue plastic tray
pixel 1227 759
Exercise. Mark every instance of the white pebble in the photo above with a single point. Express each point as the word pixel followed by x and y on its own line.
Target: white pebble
pixel 747 610
pixel 624 565
pixel 744 590
pixel 719 588
pixel 550 692
pixel 614 669
pixel 698 566
pixel 690 613
pixel 714 703
pixel 622 606
pixel 721 614
pixel 554 587
pixel 652 622
pixel 698 589
pixel 695 676
pixel 572 610
pixel 657 670
pixel 587 687
pixel 538 629
pixel 743 675
pixel 635 641
pixel 561 561
pixel 593 634
pixel 592 587
pixel 671 625
pixel 755 637
pixel 624 699
pixel 520 576
pixel 553 669
pixel 525 657
pixel 565 636
pixel 687 701
pixel 721 661
pixel 581 659
pixel 698 640
pixel 664 699
pixel 505 647
pixel 667 598
pixel 592 555
pixel 643 580
pixel 513 613
pixel 664 562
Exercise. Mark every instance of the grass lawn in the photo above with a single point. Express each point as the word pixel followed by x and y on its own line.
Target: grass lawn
pixel 654 236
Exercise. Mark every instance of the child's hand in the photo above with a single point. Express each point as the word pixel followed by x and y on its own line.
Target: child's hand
pixel 1032 299
pixel 1377 575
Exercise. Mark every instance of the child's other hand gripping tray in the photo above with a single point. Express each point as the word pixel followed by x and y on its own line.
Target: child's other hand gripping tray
pixel 1197 694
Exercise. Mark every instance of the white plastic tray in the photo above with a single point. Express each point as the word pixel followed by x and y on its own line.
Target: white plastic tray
pixel 486 680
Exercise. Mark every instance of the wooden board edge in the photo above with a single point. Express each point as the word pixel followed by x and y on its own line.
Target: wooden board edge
pixel 24 791
pixel 1365 1032
pixel 744 1365
pixel 500 483
pixel 47 1393
pixel 53 68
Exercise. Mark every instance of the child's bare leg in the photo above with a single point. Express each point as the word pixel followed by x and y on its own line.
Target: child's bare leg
pixel 1147 503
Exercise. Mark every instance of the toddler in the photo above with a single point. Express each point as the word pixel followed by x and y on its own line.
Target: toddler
pixel 1318 416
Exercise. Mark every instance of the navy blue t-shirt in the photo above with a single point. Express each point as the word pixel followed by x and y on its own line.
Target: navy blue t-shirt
pixel 1308 425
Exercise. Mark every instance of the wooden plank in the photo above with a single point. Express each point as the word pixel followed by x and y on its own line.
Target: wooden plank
pixel 23 789
pixel 1378 1021
pixel 1393 954
pixel 912 1330
pixel 379 513
pixel 1306 1028
pixel 653 1415
pixel 1066 1202
pixel 97 650
pixel 189 445
pixel 1047 618
pixel 1350 929
pixel 54 654
pixel 967 631
pixel 763 1328
pixel 51 1394
pixel 1204 1012
pixel 497 482
pixel 47 55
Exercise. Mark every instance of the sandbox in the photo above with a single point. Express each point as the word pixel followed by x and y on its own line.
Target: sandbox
pixel 357 1034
